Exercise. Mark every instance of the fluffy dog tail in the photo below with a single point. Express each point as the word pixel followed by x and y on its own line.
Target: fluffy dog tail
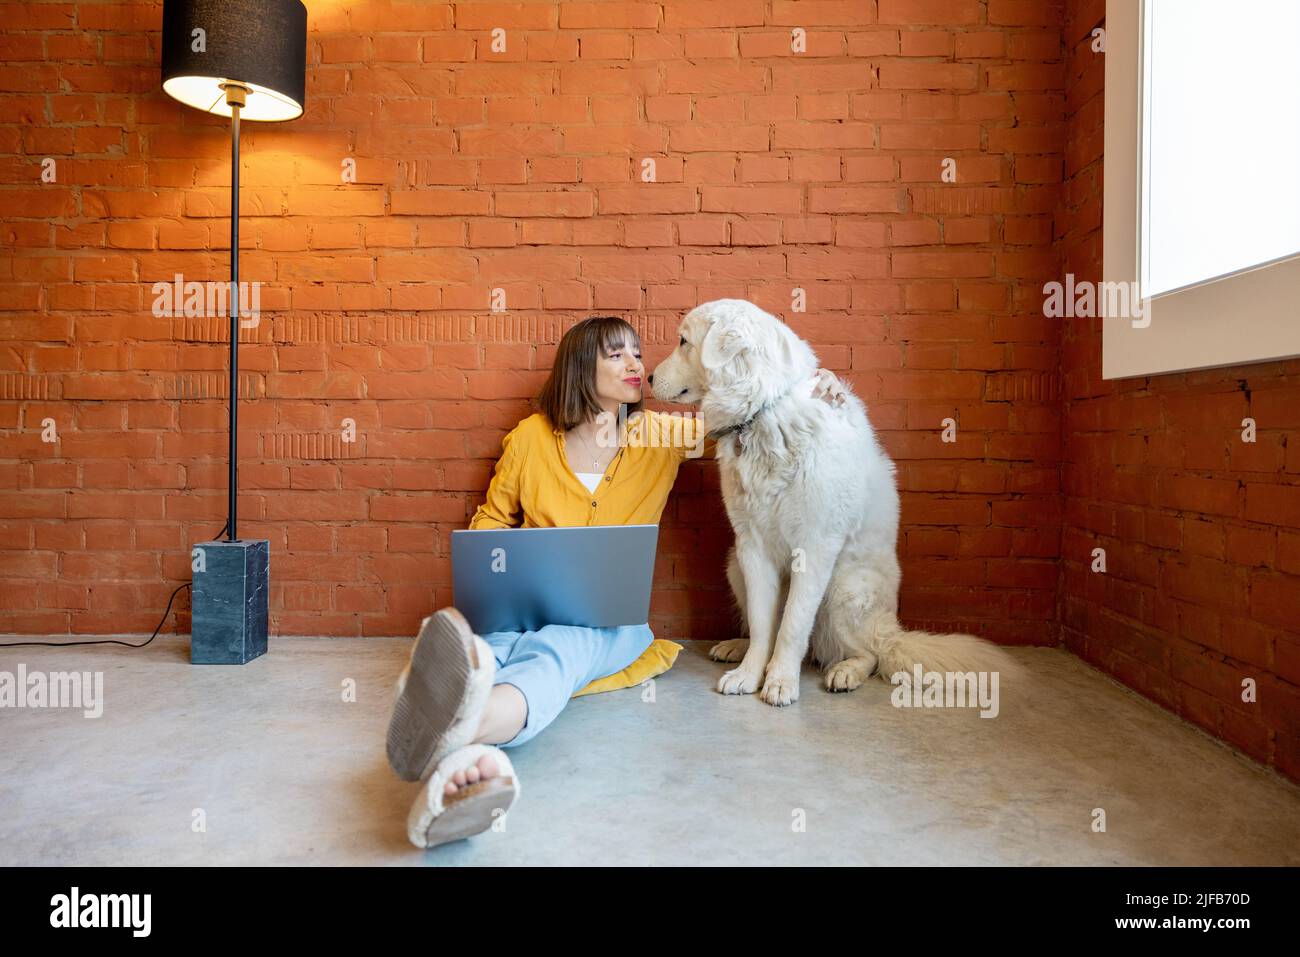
pixel 901 650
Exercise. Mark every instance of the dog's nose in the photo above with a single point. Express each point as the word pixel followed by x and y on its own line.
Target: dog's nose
pixel 650 379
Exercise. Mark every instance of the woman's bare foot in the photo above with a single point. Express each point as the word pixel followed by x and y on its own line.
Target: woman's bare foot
pixel 485 769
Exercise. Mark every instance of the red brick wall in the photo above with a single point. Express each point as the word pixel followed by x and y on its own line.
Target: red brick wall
pixel 1201 530
pixel 518 170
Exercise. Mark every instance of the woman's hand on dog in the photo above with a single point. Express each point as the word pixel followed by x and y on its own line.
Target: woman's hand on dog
pixel 829 388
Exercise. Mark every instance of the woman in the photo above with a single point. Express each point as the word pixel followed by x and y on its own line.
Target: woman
pixel 591 456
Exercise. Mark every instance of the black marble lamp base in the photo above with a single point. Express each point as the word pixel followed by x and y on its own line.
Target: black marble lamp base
pixel 229 598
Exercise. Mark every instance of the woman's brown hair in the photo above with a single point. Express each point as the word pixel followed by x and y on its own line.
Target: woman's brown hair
pixel 568 398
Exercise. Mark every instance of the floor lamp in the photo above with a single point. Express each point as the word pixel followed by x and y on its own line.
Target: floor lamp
pixel 242 59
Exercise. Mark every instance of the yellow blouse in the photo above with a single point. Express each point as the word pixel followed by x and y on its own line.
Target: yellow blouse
pixel 534 487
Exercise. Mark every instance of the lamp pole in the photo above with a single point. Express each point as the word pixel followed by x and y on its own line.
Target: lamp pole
pixel 236 96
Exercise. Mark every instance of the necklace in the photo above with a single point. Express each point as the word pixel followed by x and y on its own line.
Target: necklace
pixel 596 466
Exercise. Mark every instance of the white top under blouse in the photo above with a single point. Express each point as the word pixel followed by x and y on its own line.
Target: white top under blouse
pixel 590 479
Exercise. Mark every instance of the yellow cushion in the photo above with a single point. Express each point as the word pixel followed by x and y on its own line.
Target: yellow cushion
pixel 655 660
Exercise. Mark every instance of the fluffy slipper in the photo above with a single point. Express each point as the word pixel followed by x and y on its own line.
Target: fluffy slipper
pixel 440 695
pixel 437 819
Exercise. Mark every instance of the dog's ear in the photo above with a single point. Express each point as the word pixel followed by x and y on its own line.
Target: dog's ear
pixel 721 343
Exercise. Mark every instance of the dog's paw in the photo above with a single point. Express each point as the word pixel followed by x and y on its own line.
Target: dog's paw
pixel 738 681
pixel 781 690
pixel 844 677
pixel 733 650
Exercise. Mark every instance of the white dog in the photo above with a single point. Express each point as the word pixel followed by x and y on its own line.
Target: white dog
pixel 812 498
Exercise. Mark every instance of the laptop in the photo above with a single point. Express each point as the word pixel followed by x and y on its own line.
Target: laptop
pixel 521 579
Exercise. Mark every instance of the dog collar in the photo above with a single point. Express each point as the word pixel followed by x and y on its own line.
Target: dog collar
pixel 741 429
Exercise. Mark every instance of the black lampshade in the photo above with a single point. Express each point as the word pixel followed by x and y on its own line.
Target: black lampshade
pixel 260 43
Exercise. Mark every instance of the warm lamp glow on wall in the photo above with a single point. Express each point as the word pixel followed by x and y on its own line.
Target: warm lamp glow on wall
pixel 245 59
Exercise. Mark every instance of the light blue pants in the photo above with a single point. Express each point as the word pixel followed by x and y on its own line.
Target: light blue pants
pixel 550 664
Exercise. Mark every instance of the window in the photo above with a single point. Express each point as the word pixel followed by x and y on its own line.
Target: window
pixel 1202 187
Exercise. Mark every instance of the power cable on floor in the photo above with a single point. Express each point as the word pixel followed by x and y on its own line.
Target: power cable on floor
pixel 113 641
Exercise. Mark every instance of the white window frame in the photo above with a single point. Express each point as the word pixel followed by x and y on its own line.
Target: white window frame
pixel 1249 316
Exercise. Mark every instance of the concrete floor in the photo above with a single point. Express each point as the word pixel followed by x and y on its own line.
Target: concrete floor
pixel 287 773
